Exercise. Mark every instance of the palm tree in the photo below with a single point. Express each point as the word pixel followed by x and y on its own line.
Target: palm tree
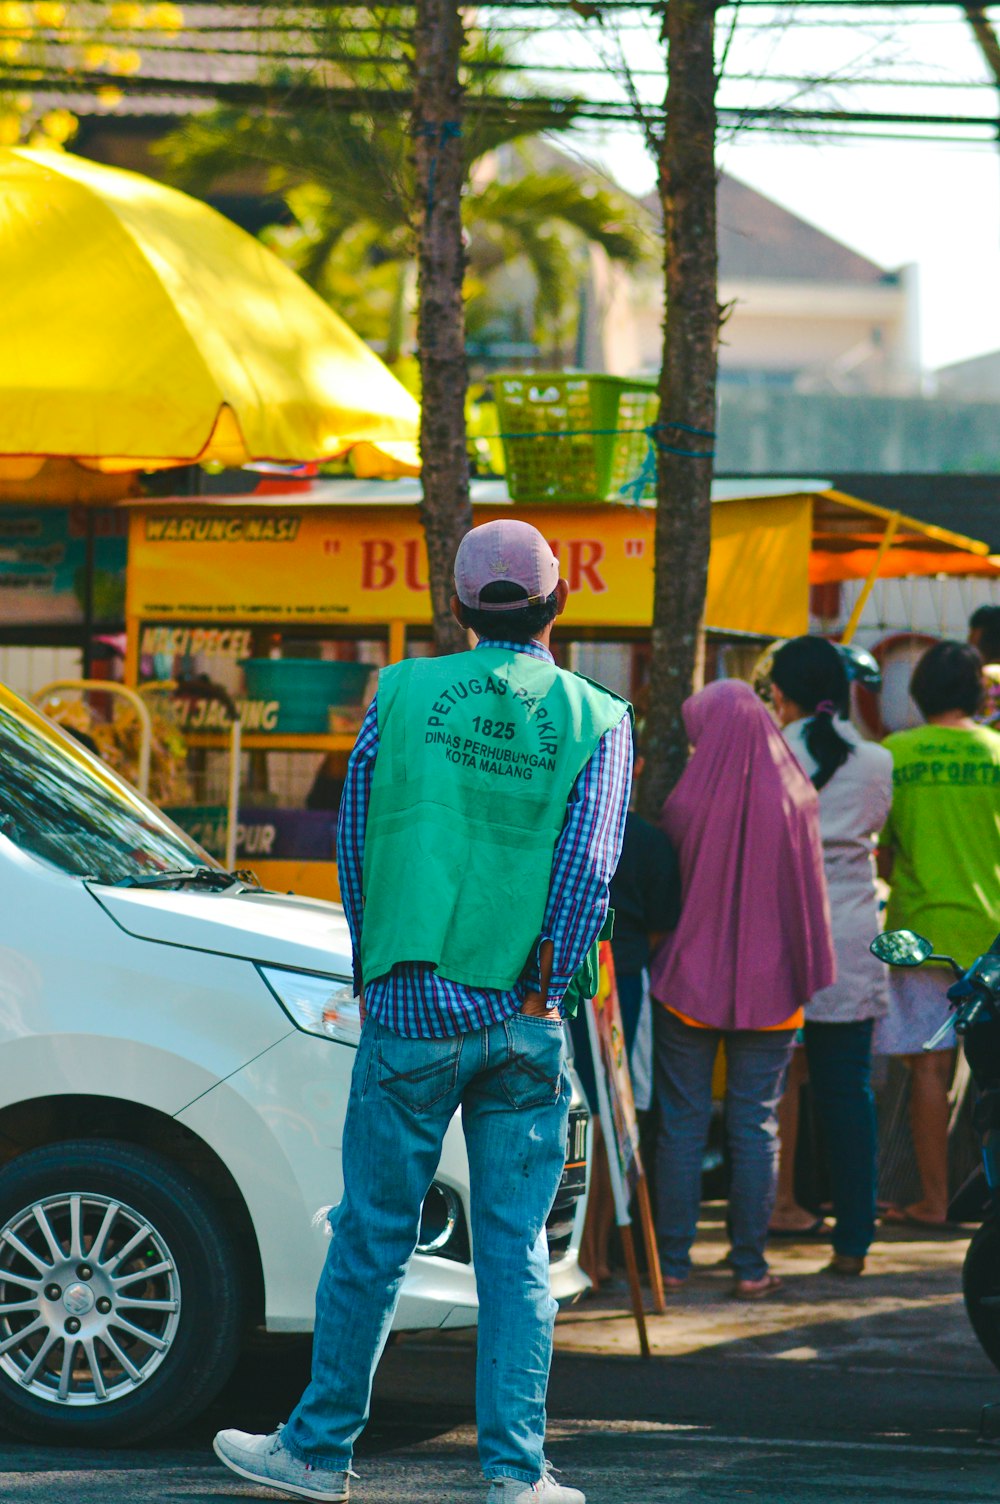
pixel 375 144
pixel 346 182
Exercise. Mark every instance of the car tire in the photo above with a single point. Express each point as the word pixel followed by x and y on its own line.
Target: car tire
pixel 981 1287
pixel 155 1317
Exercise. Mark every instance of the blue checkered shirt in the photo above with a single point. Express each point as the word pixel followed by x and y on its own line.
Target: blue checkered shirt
pixel 412 999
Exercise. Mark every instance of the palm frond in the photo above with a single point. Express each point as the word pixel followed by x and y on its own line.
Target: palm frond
pixel 486 130
pixel 599 216
pixel 364 168
pixel 347 177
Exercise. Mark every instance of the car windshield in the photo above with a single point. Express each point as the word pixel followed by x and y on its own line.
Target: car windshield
pixel 62 805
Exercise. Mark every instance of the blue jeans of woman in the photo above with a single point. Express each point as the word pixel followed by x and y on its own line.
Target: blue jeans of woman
pixel 511 1083
pixel 756 1066
pixel 840 1078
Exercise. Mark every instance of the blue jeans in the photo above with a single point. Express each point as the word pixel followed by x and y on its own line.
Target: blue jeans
pixel 840 1077
pixel 756 1066
pixel 513 1087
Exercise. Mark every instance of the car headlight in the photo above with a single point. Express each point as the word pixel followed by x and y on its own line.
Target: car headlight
pixel 316 1004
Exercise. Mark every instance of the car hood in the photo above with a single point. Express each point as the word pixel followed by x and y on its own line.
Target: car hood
pixel 276 928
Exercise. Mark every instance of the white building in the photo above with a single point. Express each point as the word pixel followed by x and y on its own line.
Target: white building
pixel 807 313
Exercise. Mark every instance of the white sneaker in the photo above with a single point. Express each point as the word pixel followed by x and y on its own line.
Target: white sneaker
pixel 545 1491
pixel 263 1459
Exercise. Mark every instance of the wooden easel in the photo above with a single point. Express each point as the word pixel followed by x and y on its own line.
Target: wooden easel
pixel 630 1175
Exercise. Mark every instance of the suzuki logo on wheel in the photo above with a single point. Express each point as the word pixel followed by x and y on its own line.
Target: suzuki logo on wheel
pixel 78 1299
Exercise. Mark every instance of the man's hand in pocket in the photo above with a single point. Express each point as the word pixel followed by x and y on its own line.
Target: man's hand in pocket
pixel 534 1007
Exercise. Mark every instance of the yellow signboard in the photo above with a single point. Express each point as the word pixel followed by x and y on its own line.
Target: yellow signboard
pixel 289 562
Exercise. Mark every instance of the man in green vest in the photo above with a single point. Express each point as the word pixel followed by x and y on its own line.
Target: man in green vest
pixel 480 825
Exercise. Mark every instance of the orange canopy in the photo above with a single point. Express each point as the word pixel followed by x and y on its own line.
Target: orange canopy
pixel 849 540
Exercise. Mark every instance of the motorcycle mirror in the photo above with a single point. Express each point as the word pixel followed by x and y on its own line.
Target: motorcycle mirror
pixel 901 948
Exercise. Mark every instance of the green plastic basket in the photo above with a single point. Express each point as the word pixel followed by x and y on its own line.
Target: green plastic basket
pixel 306 689
pixel 569 461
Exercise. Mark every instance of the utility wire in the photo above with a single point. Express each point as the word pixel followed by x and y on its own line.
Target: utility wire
pixel 573 70
pixel 601 6
pixel 392 101
pixel 304 14
pixel 175 47
pixel 568 25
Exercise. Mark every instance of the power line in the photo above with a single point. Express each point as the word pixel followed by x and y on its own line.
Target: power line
pixel 174 47
pixel 472 65
pixel 614 6
pixel 602 6
pixel 391 100
pixel 799 122
pixel 311 20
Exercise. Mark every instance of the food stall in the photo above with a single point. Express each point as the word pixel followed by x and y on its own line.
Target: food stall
pixel 283 607
pixel 280 609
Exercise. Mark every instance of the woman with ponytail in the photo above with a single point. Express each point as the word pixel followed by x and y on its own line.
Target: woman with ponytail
pixel 809 689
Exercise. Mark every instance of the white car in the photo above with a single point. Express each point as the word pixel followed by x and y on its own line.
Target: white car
pixel 175 1054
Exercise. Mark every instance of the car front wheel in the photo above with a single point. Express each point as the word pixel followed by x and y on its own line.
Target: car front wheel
pixel 121 1303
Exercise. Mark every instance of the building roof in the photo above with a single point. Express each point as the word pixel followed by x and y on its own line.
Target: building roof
pixel 760 240
pixel 977 378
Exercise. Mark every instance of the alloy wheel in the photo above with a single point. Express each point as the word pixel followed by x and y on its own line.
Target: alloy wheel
pixel 90 1299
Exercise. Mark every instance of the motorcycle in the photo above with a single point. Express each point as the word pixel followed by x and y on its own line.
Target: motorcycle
pixel 975 1017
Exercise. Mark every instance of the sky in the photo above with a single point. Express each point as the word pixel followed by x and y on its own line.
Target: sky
pixel 900 202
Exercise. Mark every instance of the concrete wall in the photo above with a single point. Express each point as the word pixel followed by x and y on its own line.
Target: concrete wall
pixel 769 432
pixel 940 607
pixel 28 669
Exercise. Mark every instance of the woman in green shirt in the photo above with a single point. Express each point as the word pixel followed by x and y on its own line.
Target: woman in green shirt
pixel 941 850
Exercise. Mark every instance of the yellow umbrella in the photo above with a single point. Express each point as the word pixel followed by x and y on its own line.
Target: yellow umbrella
pixel 142 329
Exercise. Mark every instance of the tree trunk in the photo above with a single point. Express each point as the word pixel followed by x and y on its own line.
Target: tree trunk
pixel 985 34
pixel 440 169
pixel 687 389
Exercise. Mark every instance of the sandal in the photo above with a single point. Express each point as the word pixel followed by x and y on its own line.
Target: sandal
pixel 819 1231
pixel 756 1289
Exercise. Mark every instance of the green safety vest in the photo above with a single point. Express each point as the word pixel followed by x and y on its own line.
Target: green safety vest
pixel 478 754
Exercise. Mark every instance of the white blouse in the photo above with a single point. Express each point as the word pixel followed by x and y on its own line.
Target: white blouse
pixel 853 807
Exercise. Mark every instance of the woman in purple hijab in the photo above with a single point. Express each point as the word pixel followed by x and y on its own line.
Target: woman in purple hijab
pixel 752 945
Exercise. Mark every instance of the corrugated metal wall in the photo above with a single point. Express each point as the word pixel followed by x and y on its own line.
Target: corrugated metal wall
pixel 27 669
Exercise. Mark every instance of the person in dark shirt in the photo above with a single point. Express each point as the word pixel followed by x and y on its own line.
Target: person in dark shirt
pixel 984 634
pixel 646 898
pixel 328 785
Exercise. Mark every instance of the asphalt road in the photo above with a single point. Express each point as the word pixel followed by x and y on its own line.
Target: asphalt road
pixel 833 1392
pixel 719 1425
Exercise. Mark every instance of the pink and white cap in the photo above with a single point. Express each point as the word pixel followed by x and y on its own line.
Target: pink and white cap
pixel 506 550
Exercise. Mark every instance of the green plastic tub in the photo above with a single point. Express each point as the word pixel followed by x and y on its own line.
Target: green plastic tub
pixel 306 689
